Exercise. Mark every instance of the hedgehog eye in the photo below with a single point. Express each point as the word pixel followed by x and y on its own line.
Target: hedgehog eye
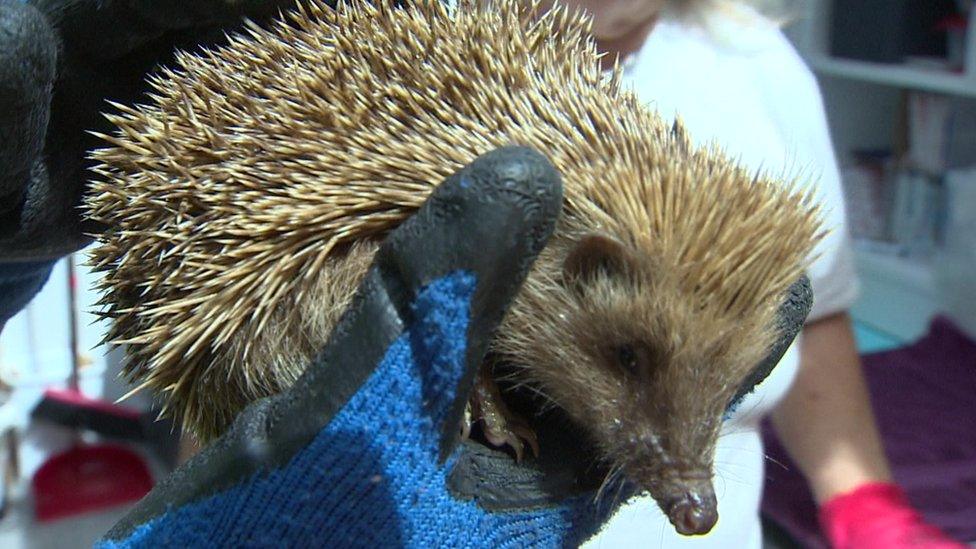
pixel 627 358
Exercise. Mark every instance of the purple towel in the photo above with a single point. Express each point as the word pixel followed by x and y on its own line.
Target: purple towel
pixel 924 398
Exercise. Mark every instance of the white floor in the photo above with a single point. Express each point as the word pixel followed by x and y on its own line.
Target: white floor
pixel 19 530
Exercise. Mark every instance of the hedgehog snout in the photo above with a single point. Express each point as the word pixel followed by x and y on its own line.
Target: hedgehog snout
pixel 693 510
pixel 681 487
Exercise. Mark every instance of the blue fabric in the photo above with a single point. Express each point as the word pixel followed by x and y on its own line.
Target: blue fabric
pixel 19 283
pixel 371 478
pixel 871 340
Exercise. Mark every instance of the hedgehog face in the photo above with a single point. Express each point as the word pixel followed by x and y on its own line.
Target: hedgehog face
pixel 647 372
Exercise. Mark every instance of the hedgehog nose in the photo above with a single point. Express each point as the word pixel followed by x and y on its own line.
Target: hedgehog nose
pixel 694 514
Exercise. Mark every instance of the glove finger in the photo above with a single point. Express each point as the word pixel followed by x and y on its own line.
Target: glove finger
pixel 19 283
pixel 489 222
pixel 28 55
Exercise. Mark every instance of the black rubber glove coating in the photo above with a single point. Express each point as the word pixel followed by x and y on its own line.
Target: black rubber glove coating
pixel 60 62
pixel 28 55
pixel 792 314
pixel 491 219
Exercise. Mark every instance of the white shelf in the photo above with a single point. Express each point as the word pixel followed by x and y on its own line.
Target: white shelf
pixel 916 78
pixel 812 34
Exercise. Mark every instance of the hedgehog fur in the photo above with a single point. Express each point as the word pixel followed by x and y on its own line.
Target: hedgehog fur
pixel 245 200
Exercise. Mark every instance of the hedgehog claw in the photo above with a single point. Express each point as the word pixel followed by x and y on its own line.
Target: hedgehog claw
pixel 513 435
pixel 466 422
pixel 526 433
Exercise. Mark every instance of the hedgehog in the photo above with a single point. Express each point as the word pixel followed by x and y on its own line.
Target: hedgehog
pixel 243 202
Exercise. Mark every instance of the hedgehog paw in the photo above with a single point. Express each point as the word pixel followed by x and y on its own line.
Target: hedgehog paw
pixel 513 434
pixel 500 426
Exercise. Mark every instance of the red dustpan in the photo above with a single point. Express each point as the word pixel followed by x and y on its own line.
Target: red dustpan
pixel 87 478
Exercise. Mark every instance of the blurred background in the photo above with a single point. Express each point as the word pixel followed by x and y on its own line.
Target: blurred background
pixel 899 85
pixel 899 81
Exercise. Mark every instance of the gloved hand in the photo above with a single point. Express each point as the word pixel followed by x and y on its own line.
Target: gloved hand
pixel 60 61
pixel 879 516
pixel 362 450
pixel 19 282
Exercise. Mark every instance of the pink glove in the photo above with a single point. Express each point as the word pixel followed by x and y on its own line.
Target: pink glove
pixel 879 516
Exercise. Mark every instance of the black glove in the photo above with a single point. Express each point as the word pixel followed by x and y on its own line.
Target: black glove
pixel 60 60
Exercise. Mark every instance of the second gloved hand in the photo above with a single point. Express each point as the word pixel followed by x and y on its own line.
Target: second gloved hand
pixel 879 516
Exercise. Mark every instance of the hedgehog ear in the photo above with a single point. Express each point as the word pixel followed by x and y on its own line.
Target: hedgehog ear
pixel 595 254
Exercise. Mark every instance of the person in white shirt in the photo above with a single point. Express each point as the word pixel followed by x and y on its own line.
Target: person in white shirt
pixel 736 81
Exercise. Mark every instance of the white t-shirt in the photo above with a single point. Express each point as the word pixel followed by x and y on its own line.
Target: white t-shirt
pixel 735 80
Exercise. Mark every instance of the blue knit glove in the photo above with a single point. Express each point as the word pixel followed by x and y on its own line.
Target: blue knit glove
pixel 362 450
